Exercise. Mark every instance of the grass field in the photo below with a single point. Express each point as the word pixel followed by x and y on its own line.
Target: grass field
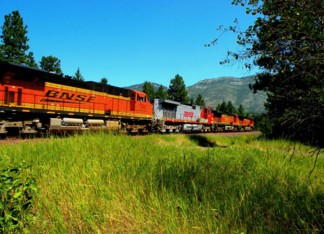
pixel 106 183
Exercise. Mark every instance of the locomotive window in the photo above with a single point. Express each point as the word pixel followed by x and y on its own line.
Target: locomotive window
pixel 141 99
pixel 133 96
pixel 11 96
pixel 19 97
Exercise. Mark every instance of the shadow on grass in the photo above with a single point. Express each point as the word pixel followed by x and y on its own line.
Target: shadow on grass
pixel 204 141
pixel 243 193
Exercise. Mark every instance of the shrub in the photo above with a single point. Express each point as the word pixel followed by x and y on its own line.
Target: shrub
pixel 17 190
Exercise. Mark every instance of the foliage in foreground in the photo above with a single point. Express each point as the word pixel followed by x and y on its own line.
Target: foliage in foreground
pixel 17 191
pixel 173 184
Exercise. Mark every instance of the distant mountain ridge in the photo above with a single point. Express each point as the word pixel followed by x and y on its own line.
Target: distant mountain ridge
pixel 216 90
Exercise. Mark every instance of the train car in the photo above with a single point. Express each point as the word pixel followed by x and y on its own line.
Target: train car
pixel 223 122
pixel 231 122
pixel 246 123
pixel 171 116
pixel 34 101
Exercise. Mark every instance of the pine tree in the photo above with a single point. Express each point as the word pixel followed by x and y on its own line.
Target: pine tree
pixel 191 102
pixel 14 39
pixel 222 107
pixel 240 110
pixel 78 76
pixel 286 42
pixel 104 81
pixel 177 90
pixel 200 100
pixel 51 64
pixel 161 93
pixel 230 108
pixel 30 61
pixel 148 89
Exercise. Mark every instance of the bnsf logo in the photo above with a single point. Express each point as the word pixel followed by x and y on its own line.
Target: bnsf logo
pixel 69 96
pixel 188 114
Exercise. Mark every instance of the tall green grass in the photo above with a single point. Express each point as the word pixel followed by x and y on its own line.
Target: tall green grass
pixel 107 183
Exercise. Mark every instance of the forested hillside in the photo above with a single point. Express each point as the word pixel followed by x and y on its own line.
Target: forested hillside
pixel 231 89
pixel 216 90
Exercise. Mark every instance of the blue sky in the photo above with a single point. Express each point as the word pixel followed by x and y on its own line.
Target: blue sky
pixel 132 41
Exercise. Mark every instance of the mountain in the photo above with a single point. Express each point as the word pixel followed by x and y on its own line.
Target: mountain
pixel 216 90
pixel 140 86
pixel 231 89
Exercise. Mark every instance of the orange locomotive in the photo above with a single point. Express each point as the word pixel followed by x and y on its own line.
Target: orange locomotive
pixel 233 122
pixel 32 101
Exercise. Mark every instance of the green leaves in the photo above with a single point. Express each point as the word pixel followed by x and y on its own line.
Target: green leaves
pixel 177 90
pixel 14 38
pixel 200 100
pixel 14 47
pixel 148 89
pixel 51 64
pixel 17 190
pixel 78 76
pixel 286 42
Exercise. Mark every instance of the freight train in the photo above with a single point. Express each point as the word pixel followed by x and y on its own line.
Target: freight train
pixel 34 101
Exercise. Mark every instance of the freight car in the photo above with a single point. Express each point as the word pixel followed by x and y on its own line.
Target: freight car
pixel 34 101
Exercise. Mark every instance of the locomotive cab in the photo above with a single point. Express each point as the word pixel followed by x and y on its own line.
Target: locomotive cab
pixel 138 96
pixel 15 117
pixel 140 104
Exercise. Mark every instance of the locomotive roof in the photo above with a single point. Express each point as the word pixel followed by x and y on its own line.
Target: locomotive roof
pixel 26 73
pixel 169 102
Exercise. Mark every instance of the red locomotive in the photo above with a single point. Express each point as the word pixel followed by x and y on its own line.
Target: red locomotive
pixel 35 101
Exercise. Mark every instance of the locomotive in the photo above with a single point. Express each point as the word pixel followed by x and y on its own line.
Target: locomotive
pixel 34 101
